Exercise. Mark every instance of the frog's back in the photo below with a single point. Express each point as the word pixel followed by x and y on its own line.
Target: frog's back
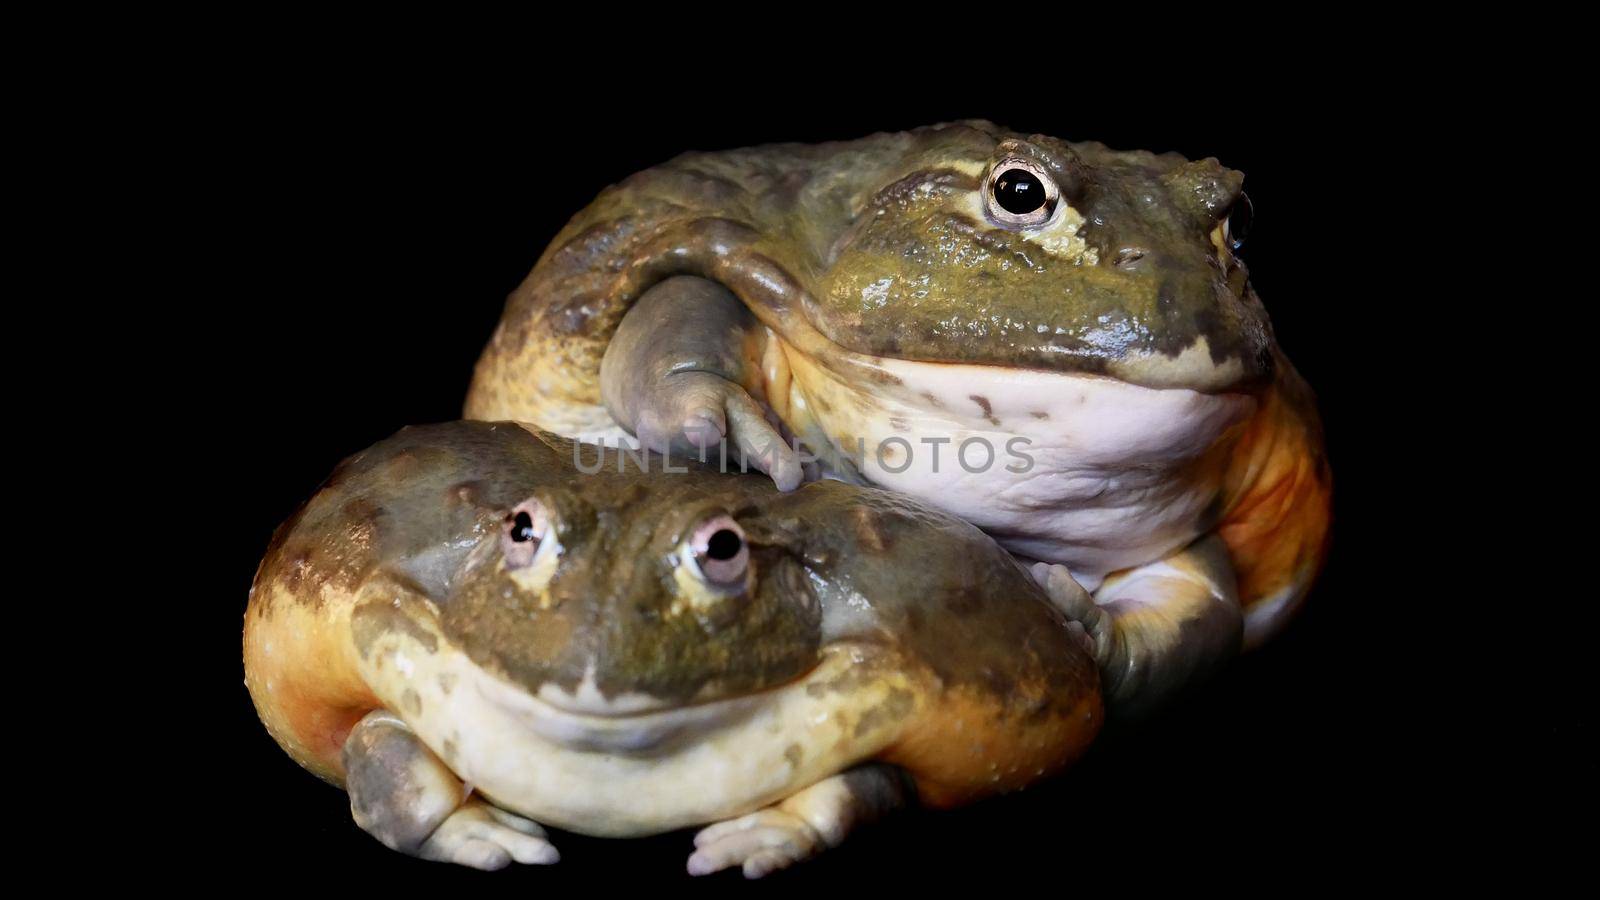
pixel 756 219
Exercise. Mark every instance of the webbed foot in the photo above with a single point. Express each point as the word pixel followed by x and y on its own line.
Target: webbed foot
pixel 1155 629
pixel 802 826
pixel 762 842
pixel 407 798
pixel 487 837
pixel 681 374
pixel 1089 622
pixel 692 413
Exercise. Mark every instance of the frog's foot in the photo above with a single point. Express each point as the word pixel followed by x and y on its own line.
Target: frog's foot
pixel 487 837
pixel 1090 624
pixel 403 795
pixel 819 817
pixel 693 413
pixel 762 842
pixel 679 372
pixel 1158 628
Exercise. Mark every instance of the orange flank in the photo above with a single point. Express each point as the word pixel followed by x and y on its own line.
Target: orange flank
pixel 300 667
pixel 969 746
pixel 1279 490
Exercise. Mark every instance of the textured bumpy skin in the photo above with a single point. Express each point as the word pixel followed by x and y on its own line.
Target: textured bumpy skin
pixel 876 246
pixel 608 693
pixel 1121 340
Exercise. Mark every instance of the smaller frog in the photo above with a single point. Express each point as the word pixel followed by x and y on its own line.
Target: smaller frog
pixel 476 639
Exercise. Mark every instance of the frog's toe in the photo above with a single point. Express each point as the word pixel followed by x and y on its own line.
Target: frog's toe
pixel 694 412
pixel 1063 590
pixel 484 837
pixel 1087 621
pixel 704 428
pixel 1081 635
pixel 760 843
pixel 761 443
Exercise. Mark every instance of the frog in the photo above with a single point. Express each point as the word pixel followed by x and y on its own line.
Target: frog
pixel 483 631
pixel 1055 341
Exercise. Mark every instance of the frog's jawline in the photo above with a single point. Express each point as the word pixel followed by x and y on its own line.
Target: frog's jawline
pixel 647 773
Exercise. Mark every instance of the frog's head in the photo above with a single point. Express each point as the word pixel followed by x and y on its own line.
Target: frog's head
pixel 982 246
pixel 652 596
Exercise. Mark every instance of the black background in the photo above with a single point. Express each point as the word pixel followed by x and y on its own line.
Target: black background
pixel 365 239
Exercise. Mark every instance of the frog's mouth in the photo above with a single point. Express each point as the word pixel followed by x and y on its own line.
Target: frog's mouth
pixel 585 720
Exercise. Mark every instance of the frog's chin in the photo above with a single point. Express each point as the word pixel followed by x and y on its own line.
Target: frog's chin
pixel 1089 471
pixel 640 770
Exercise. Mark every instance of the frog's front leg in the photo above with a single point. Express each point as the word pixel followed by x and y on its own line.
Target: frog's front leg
pixel 403 795
pixel 1158 627
pixel 680 372
pixel 805 824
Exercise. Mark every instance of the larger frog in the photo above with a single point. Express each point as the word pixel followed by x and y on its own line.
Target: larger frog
pixel 1055 341
pixel 474 637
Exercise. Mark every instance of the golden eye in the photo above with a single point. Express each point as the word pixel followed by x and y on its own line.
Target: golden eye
pixel 1021 194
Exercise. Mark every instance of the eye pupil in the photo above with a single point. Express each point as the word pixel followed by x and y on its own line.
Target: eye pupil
pixel 723 545
pixel 522 527
pixel 1019 192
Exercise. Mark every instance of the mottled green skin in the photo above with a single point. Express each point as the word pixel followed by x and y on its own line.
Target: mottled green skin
pixel 875 243
pixel 833 562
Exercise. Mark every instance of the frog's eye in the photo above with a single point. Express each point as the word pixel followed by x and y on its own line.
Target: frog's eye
pixel 1236 225
pixel 1021 194
pixel 526 534
pixel 718 553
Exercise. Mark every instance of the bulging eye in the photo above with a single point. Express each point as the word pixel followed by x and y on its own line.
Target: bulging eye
pixel 1236 227
pixel 718 552
pixel 525 533
pixel 1021 194
pixel 1019 191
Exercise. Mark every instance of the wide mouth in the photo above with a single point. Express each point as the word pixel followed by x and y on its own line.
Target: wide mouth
pixel 1106 351
pixel 585 720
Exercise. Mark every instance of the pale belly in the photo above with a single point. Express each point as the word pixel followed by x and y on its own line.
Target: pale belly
pixel 1090 472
